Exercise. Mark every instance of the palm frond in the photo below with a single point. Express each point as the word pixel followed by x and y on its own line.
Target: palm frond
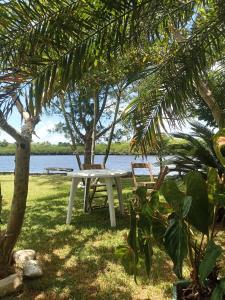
pixel 153 109
pixel 55 42
pixel 194 151
pixel 73 36
pixel 203 132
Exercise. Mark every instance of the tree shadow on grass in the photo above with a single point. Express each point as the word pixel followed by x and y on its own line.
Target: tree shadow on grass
pixel 70 261
pixel 79 260
pixel 55 180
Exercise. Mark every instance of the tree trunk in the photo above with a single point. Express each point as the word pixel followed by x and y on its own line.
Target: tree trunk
pixel 0 202
pixel 18 206
pixel 95 117
pixel 208 98
pixel 72 135
pixel 87 148
pixel 112 129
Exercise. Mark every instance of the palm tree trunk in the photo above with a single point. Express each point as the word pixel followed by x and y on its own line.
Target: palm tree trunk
pixel 18 206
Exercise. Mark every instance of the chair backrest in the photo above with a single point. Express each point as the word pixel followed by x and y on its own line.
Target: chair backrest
pixel 147 167
pixel 92 166
pixel 161 178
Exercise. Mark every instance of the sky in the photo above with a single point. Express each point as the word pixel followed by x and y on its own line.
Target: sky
pixel 42 129
pixel 46 123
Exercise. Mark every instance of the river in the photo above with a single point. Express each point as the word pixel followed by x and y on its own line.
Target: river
pixel 40 162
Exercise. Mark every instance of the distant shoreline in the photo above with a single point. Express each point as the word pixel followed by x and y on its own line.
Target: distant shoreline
pixel 122 148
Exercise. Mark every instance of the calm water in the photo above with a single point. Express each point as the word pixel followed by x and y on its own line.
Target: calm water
pixel 40 162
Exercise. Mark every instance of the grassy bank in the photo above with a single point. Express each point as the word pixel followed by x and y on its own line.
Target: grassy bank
pixel 79 260
pixel 45 149
pixel 65 148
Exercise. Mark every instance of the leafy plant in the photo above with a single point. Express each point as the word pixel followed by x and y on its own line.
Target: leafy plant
pixel 194 151
pixel 181 220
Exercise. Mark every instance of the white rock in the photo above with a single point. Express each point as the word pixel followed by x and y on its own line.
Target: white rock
pixel 22 256
pixel 32 269
pixel 10 285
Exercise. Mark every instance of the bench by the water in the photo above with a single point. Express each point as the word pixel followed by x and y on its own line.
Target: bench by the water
pixel 58 170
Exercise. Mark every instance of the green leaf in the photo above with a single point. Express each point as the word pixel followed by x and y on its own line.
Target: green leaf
pixel 141 192
pixel 154 200
pixel 145 216
pixel 208 262
pixel 144 236
pixel 213 184
pixel 158 230
pixel 219 144
pixel 186 205
pixel 216 191
pixel 173 195
pixel 144 228
pixel 176 243
pixel 198 215
pixel 219 291
pixel 148 253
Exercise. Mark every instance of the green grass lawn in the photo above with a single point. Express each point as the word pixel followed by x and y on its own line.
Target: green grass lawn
pixel 79 260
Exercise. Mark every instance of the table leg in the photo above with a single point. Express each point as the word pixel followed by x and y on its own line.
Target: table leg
pixel 119 192
pixel 73 188
pixel 86 194
pixel 108 182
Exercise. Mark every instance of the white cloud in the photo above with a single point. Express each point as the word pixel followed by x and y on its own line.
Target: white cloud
pixel 43 135
pixel 5 136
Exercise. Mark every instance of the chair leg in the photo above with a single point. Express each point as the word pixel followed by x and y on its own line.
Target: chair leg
pixel 90 198
pixel 86 194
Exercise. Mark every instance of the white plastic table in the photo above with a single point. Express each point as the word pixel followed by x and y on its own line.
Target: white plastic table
pixel 108 176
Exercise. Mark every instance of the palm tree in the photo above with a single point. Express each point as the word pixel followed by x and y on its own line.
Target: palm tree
pixel 46 45
pixel 186 38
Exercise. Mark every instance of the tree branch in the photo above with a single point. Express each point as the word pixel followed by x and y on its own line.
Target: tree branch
pixel 100 134
pixel 103 104
pixel 112 127
pixel 10 130
pixel 72 117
